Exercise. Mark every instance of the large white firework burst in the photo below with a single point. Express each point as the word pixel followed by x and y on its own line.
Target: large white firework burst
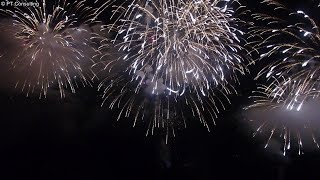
pixel 52 44
pixel 186 43
pixel 172 56
pixel 289 48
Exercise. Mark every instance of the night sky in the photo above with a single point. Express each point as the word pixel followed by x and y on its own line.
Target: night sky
pixel 75 138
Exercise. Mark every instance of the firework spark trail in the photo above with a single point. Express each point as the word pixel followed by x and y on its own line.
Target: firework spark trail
pixel 172 56
pixel 292 75
pixel 160 112
pixel 187 43
pixel 294 45
pixel 53 44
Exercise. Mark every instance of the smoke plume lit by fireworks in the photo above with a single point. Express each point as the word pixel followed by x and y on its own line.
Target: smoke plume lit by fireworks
pixel 287 109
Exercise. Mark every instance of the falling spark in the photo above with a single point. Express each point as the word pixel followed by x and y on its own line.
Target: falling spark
pixel 155 105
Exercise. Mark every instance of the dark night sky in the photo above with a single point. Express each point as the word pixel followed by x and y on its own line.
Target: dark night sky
pixel 74 138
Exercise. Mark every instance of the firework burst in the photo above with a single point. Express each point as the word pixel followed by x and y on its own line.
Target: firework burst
pixel 186 43
pixel 172 56
pixel 291 48
pixel 53 46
